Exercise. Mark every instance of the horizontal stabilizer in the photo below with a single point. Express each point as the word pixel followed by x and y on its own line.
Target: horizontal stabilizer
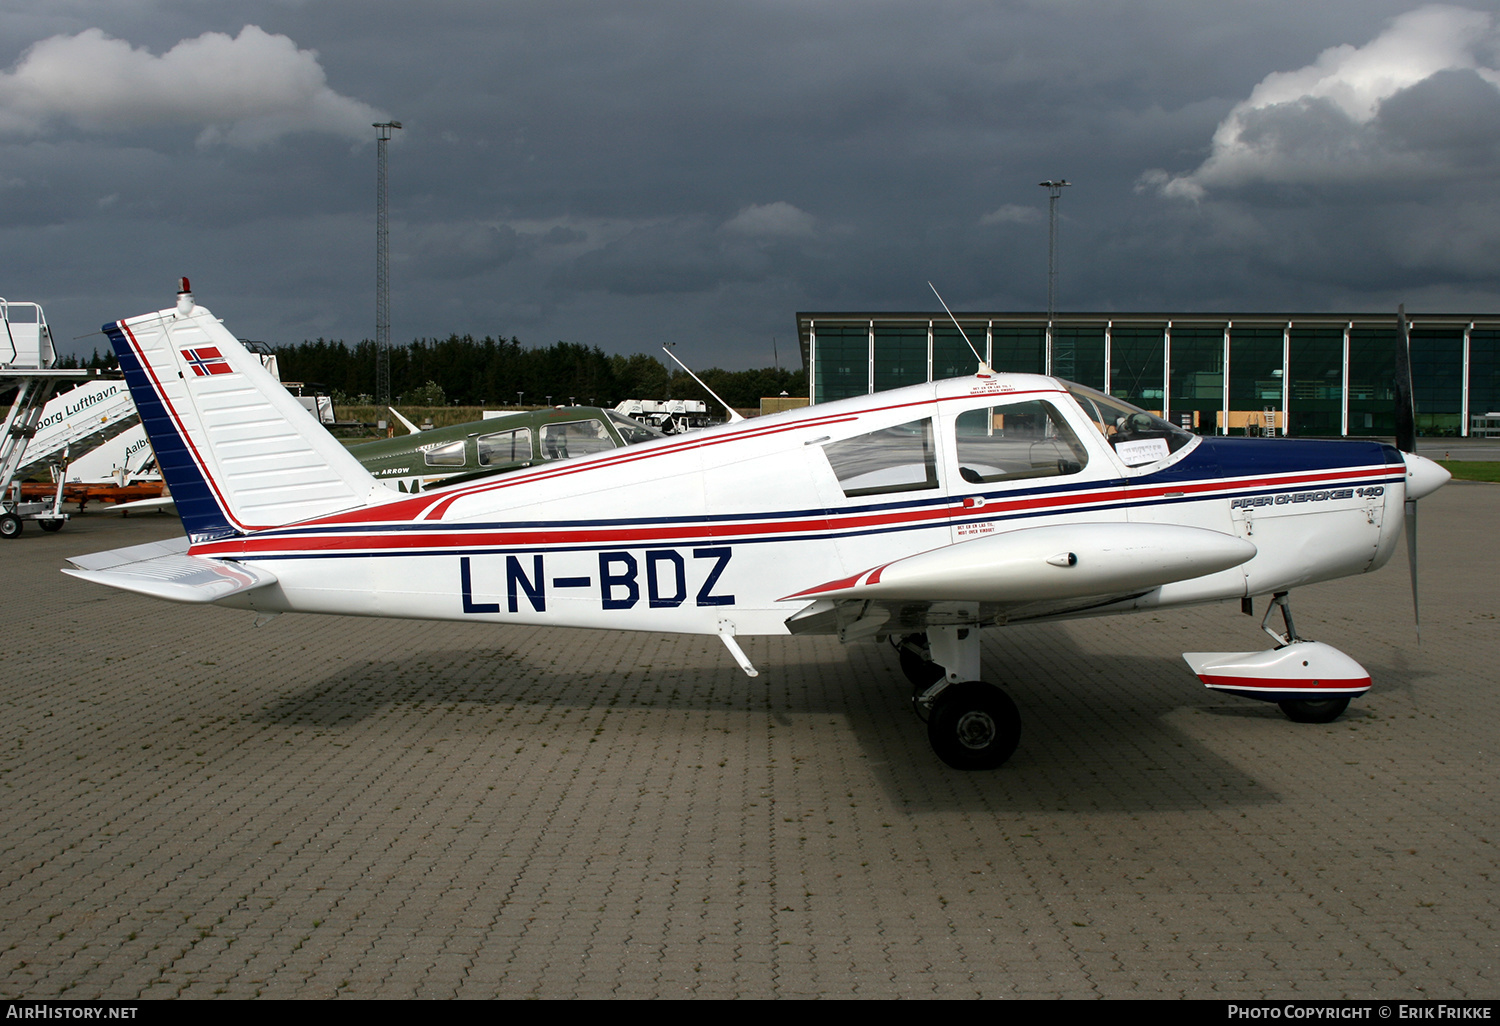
pixel 160 504
pixel 130 554
pixel 155 569
pixel 1041 564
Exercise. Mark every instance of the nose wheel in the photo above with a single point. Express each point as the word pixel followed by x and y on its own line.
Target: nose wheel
pixel 1314 710
pixel 1300 710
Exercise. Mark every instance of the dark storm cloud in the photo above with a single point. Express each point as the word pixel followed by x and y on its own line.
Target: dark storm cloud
pixel 1327 123
pixel 1452 118
pixel 1365 174
pixel 681 256
pixel 627 174
pixel 459 251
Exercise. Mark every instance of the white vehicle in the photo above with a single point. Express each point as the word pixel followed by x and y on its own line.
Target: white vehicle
pixel 670 416
pixel 123 460
pixel 918 516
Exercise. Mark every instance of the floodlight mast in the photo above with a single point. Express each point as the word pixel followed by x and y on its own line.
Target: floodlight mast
pixel 1054 189
pixel 382 266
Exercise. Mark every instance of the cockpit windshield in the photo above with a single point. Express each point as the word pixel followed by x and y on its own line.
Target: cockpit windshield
pixel 1138 437
pixel 632 431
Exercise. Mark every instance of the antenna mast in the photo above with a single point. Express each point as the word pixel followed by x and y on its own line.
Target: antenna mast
pixel 734 415
pixel 983 367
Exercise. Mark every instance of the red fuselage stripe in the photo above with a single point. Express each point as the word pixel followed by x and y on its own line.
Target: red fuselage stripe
pixel 378 538
pixel 1284 684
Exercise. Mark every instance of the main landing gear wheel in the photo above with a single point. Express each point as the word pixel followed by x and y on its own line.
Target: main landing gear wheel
pixel 916 663
pixel 974 726
pixel 1314 710
pixel 10 525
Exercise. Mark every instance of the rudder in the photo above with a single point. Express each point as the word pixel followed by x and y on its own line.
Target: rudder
pixel 239 453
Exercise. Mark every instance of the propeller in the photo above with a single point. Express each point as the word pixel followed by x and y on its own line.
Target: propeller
pixel 1423 476
pixel 1406 441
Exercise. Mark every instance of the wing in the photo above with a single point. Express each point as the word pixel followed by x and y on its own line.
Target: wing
pixel 1035 571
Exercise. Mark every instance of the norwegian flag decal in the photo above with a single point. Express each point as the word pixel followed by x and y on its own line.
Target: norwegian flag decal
pixel 206 360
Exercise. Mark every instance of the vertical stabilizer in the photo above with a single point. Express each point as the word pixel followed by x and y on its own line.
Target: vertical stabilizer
pixel 237 450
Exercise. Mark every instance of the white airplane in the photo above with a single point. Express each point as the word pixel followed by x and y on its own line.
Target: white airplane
pixel 916 516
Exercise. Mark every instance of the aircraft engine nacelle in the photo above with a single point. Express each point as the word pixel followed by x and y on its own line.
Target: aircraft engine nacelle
pixel 1297 671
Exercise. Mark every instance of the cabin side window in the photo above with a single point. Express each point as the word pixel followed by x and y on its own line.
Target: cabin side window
pixel 1022 440
pixel 574 438
pixel 450 455
pixel 505 447
pixel 893 459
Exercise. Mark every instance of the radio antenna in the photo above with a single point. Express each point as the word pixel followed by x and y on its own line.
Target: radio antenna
pixel 734 416
pixel 984 368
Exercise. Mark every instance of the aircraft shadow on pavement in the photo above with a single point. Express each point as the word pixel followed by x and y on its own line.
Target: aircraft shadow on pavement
pixel 1109 738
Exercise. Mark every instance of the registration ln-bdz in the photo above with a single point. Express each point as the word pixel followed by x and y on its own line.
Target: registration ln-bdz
pixel 917 516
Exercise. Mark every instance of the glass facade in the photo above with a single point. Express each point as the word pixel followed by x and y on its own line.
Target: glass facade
pixel 951 356
pixel 1338 369
pixel 1372 381
pixel 843 362
pixel 1078 354
pixel 1254 375
pixel 1316 367
pixel 1437 377
pixel 1484 371
pixel 900 355
pixel 1197 376
pixel 1020 349
pixel 1137 364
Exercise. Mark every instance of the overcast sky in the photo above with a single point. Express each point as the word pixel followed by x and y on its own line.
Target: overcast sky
pixel 630 173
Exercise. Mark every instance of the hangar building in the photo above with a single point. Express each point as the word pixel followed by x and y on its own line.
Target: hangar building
pixel 1299 374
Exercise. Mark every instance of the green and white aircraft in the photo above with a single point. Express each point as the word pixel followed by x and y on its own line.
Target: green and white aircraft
pixel 462 452
pixel 510 442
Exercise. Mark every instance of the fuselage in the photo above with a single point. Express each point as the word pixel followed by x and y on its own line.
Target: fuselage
pixel 687 533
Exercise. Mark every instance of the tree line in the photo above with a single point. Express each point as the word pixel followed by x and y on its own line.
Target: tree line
pixel 461 370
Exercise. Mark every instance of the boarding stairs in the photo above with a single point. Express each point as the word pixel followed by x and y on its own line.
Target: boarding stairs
pixel 28 364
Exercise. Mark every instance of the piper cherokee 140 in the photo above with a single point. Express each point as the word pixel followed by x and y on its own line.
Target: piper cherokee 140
pixel 916 516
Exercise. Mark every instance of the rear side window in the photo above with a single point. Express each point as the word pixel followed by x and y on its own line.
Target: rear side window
pixel 505 447
pixel 450 455
pixel 1021 440
pixel 894 459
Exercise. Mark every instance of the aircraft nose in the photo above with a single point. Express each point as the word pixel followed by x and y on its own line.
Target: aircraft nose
pixel 1423 476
